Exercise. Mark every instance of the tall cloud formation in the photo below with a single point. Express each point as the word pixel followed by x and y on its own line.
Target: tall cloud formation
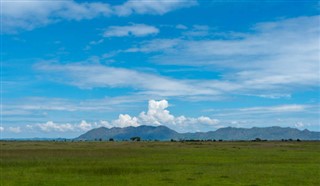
pixel 158 114
pixel 27 15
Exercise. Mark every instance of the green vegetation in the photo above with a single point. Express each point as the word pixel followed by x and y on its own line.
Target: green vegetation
pixel 160 163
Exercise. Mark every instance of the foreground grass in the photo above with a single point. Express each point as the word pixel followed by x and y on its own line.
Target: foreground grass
pixel 160 163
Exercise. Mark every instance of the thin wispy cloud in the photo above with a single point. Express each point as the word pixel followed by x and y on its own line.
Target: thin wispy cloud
pixel 28 15
pixel 275 54
pixel 158 7
pixel 90 76
pixel 138 30
pixel 14 129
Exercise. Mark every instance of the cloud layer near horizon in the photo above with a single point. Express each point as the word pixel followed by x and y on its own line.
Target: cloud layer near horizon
pixel 156 115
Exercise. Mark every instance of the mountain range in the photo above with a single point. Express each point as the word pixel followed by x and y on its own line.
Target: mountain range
pixel 163 133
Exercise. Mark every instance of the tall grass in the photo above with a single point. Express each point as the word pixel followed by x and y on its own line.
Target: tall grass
pixel 160 163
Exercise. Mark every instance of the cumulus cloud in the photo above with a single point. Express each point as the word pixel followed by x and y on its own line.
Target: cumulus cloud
pixel 1 129
pixel 158 114
pixel 27 15
pixel 137 30
pixel 104 124
pixel 85 126
pixel 51 126
pixel 14 129
pixel 125 120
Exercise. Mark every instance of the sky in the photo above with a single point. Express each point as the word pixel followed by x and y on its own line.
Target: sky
pixel 70 66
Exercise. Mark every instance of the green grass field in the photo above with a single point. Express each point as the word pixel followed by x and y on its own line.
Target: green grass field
pixel 160 163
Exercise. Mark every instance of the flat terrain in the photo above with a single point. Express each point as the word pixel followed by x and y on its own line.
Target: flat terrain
pixel 160 163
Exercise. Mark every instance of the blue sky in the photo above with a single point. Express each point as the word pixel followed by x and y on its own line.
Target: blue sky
pixel 70 66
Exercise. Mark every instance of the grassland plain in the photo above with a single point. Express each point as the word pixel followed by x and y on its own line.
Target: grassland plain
pixel 160 163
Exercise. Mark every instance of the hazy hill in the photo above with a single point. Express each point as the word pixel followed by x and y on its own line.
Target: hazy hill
pixel 144 132
pixel 229 133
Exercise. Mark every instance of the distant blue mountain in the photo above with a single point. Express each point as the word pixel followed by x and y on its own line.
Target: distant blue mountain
pixel 163 133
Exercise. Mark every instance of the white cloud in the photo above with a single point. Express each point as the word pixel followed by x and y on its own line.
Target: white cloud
pixel 181 26
pixel 1 129
pixel 158 114
pixel 51 126
pixel 96 75
pixel 27 105
pixel 156 45
pixel 14 129
pixel 266 112
pixel 137 30
pixel 299 125
pixel 27 15
pixel 125 120
pixel 276 57
pixel 157 7
pixel 105 124
pixel 280 108
pixel 85 126
pixel 207 120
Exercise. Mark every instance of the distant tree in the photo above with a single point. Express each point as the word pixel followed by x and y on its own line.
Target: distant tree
pixel 136 138
pixel 298 139
pixel 100 139
pixel 220 140
pixel 290 139
pixel 111 139
pixel 257 139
